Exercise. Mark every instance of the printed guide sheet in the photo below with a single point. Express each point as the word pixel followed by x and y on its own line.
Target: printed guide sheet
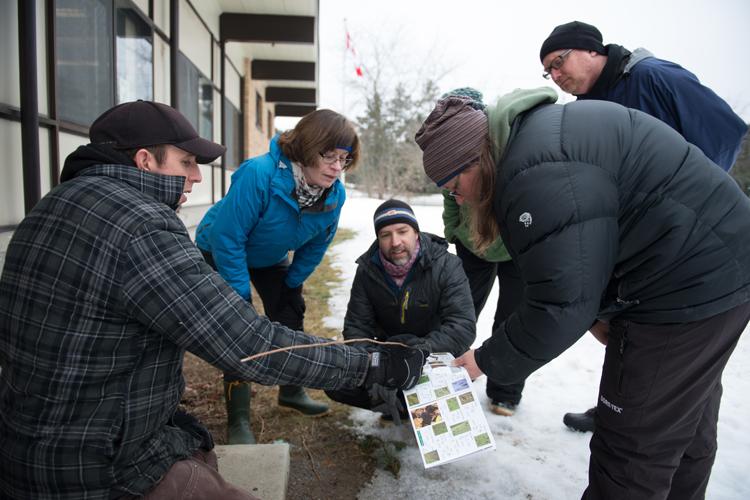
pixel 445 413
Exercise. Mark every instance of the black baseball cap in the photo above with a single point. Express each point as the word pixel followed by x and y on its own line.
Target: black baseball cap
pixel 140 124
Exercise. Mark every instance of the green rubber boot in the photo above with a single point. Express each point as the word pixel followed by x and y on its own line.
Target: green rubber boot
pixel 295 397
pixel 237 398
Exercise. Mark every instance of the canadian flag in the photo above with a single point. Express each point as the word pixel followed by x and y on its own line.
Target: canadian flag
pixel 350 48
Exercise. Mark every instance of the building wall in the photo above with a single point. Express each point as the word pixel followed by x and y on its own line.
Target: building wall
pixel 200 60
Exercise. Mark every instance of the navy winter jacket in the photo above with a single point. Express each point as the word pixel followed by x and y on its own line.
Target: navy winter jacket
pixel 675 96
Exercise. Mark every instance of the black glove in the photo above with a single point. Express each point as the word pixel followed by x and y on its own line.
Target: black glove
pixel 387 401
pixel 396 367
pixel 290 309
pixel 412 340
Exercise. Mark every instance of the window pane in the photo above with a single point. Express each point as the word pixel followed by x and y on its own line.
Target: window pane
pixel 187 100
pixel 233 139
pixel 206 107
pixel 84 59
pixel 135 74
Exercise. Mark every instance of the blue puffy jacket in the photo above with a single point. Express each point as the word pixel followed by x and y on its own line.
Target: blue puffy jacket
pixel 259 221
pixel 675 96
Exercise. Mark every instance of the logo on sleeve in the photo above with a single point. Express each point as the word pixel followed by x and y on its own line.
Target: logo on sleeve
pixel 525 219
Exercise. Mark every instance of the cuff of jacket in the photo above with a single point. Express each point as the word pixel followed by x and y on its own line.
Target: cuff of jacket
pixel 499 359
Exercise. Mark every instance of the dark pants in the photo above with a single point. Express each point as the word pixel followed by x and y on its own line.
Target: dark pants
pixel 658 407
pixel 481 274
pixel 269 284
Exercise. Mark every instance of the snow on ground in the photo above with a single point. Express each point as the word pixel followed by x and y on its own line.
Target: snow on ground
pixel 537 456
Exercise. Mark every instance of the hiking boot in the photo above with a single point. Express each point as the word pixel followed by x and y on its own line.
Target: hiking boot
pixel 503 408
pixel 237 396
pixel 295 397
pixel 582 422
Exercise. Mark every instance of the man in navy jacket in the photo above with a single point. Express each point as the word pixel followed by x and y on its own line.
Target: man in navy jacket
pixel 575 58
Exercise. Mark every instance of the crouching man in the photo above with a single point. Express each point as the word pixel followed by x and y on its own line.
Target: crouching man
pixel 101 295
pixel 407 289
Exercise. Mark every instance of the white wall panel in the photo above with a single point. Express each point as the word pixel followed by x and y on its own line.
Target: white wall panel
pixel 44 160
pixel 161 70
pixel 217 183
pixel 41 56
pixel 217 64
pixel 201 194
pixel 233 88
pixel 11 171
pixel 10 88
pixel 161 15
pixel 209 11
pixel 68 144
pixel 195 40
pixel 218 105
pixel 143 5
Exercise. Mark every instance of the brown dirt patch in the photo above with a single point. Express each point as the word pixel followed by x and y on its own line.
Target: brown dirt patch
pixel 327 460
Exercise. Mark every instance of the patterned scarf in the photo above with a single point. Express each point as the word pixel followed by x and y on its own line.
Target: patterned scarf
pixel 306 195
pixel 396 272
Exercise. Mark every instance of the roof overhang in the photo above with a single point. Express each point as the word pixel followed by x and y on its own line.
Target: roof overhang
pixel 280 39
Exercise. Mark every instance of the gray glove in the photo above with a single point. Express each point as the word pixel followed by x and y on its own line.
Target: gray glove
pixel 387 401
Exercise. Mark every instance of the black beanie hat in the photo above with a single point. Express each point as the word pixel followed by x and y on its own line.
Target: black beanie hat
pixel 573 35
pixel 394 212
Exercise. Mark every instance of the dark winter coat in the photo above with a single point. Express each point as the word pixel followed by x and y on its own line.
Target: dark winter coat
pixel 608 212
pixel 675 96
pixel 434 302
pixel 101 295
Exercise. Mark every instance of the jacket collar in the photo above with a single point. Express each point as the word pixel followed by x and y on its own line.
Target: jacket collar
pixel 166 189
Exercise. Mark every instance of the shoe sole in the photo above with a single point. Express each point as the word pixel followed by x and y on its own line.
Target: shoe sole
pixel 502 412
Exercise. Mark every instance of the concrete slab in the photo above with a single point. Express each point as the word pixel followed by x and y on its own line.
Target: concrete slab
pixel 261 469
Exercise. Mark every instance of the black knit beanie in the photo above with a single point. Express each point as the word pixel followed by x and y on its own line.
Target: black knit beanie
pixel 394 212
pixel 573 35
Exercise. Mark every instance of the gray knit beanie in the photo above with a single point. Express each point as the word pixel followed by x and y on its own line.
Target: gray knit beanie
pixel 451 138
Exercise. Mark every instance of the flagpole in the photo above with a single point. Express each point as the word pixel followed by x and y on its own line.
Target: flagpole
pixel 343 70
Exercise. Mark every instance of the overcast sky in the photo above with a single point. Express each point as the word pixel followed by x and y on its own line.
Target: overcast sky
pixel 494 45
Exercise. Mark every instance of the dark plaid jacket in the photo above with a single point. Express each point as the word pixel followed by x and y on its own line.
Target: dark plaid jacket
pixel 101 294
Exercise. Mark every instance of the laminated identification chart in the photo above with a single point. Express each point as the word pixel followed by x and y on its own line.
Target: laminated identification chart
pixel 445 413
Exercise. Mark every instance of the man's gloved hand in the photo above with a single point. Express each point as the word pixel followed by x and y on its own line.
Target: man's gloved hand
pixel 412 340
pixel 396 367
pixel 387 401
pixel 290 309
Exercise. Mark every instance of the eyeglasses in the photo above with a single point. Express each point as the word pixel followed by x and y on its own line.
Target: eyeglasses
pixel 331 158
pixel 556 63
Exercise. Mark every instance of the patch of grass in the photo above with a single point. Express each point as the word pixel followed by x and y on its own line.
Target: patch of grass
pixel 383 452
pixel 317 290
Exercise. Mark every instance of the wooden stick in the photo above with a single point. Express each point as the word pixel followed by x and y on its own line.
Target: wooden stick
pixel 322 344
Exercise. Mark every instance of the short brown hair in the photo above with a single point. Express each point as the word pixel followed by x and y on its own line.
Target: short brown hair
pixel 316 133
pixel 159 151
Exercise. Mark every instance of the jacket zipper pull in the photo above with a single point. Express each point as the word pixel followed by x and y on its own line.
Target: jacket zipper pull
pixel 404 307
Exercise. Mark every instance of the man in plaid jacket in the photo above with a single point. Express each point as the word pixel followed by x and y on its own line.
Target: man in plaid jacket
pixel 101 294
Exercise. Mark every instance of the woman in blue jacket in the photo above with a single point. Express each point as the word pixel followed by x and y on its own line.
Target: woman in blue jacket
pixel 287 200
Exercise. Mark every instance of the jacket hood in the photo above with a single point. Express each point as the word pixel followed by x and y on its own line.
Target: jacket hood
pixel 90 155
pixel 507 109
pixel 637 56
